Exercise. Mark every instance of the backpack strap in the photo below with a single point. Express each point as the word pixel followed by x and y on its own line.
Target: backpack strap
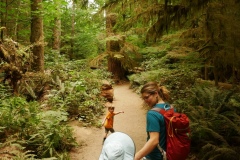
pixel 163 152
pixel 157 109
pixel 162 111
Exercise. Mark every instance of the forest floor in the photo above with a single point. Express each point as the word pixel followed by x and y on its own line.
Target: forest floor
pixel 131 122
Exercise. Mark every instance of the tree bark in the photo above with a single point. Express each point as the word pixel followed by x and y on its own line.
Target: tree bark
pixel 2 20
pixel 57 28
pixel 15 33
pixel 215 72
pixel 114 64
pixel 72 31
pixel 37 35
pixel 57 35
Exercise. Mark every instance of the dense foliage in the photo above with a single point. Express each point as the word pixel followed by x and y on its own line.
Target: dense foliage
pixel 211 29
pixel 38 127
pixel 213 112
pixel 178 43
pixel 26 127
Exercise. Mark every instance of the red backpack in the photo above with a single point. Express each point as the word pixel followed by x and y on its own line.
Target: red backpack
pixel 177 134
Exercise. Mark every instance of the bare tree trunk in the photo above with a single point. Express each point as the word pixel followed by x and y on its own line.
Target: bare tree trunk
pixel 37 35
pixel 57 35
pixel 206 71
pixel 15 34
pixel 72 31
pixel 215 72
pixel 234 68
pixel 57 28
pixel 207 36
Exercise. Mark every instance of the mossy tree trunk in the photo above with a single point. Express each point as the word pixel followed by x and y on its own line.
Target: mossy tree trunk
pixel 37 35
pixel 113 48
pixel 114 64
pixel 57 34
pixel 3 15
pixel 57 27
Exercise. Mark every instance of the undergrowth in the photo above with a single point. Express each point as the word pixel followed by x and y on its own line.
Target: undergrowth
pixel 36 127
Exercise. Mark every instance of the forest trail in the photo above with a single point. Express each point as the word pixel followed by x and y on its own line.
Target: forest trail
pixel 131 122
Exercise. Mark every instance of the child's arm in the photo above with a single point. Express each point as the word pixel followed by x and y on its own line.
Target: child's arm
pixel 104 121
pixel 119 112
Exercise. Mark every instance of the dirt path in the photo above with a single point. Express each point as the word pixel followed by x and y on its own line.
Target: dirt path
pixel 131 122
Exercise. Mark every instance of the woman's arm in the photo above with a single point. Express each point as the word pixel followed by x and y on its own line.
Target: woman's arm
pixel 149 146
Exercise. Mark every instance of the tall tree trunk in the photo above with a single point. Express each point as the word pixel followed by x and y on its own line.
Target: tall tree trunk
pixel 57 35
pixel 207 37
pixel 57 27
pixel 72 30
pixel 234 68
pixel 37 35
pixel 215 71
pixel 15 34
pixel 114 64
pixel 3 19
pixel 206 72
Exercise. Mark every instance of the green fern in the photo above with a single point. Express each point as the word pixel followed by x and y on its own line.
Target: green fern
pixel 213 122
pixel 214 152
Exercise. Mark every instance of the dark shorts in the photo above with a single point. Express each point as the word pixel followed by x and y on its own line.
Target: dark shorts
pixel 109 129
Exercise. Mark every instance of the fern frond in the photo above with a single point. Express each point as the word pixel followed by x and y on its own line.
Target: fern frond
pixel 233 116
pixel 30 90
pixel 207 150
pixel 214 135
pixel 212 152
pixel 196 113
pixel 231 124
